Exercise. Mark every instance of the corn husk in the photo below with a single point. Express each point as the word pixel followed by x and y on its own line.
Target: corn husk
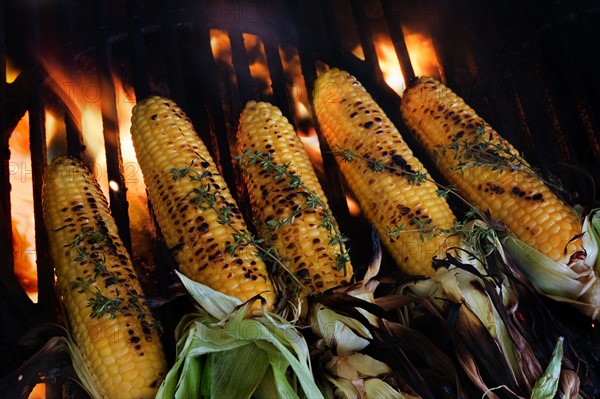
pixel 547 385
pixel 223 353
pixel 58 359
pixel 480 305
pixel 575 283
pixel 363 353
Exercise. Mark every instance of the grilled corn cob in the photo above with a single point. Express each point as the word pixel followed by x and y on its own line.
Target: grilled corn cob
pixel 293 218
pixel 488 171
pixel 192 204
pixel 385 179
pixel 110 323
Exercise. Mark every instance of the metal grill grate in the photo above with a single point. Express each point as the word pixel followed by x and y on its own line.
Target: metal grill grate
pixel 524 66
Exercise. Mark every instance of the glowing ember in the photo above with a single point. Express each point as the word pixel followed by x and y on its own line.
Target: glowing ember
pixel 11 71
pixel 114 186
pixel 302 111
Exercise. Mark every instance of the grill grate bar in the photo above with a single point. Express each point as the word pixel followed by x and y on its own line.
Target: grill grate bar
pixel 239 58
pixel 114 161
pixel 393 20
pixel 576 86
pixel 137 45
pixel 37 141
pixel 216 120
pixel 75 146
pixel 277 77
pixel 333 189
pixel 175 75
pixel 37 147
pixel 366 39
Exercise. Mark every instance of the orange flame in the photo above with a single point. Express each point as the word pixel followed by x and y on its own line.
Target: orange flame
pixel 21 198
pixel 38 392
pixel 353 206
pixel 82 95
pixel 220 45
pixel 420 50
pixel 258 62
pixel 21 195
pixel 422 54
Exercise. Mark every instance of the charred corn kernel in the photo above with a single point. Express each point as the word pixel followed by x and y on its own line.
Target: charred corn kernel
pixel 487 170
pixel 94 269
pixel 190 201
pixel 381 172
pixel 265 134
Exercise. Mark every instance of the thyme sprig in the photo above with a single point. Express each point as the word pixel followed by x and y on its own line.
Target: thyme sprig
pixel 125 300
pixel 422 225
pixel 313 202
pixel 205 197
pixel 396 165
pixel 489 151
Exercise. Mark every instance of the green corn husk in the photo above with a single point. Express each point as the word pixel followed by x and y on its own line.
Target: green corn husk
pixel 547 385
pixel 557 380
pixel 576 283
pixel 218 345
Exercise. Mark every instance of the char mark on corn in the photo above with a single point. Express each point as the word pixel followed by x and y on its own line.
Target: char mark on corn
pixel 288 202
pixel 390 183
pixel 488 171
pixel 195 210
pixel 109 320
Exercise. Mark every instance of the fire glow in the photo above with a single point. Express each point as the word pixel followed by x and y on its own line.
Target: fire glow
pixel 21 195
pixel 81 94
pixel 420 50
pixel 82 97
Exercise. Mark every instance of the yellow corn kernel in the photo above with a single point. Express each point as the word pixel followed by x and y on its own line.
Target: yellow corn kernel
pixel 381 173
pixel 310 248
pixel 188 205
pixel 487 170
pixel 93 268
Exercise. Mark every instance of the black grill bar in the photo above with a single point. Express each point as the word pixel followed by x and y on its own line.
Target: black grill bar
pixel 393 18
pixel 112 145
pixel 239 58
pixel 277 77
pixel 170 43
pixel 575 80
pixel 75 146
pixel 37 145
pixel 366 39
pixel 308 64
pixel 139 65
pixel 216 127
